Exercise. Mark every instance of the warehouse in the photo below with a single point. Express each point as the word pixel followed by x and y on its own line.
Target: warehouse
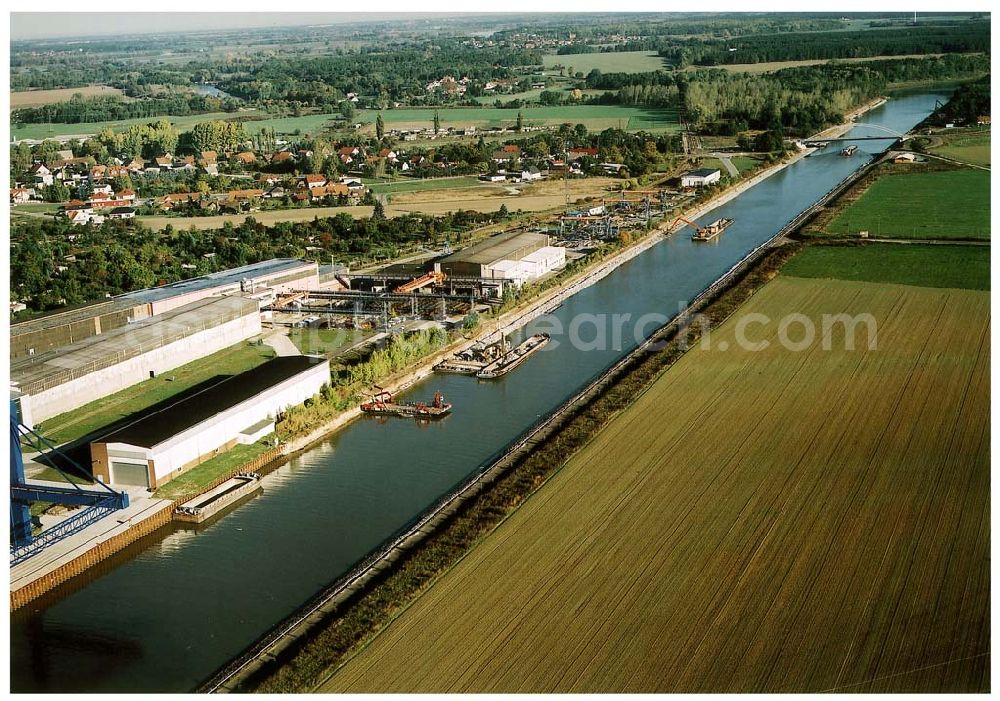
pixel 239 409
pixel 475 260
pixel 61 380
pixel 530 267
pixel 277 275
pixel 66 326
pixel 701 177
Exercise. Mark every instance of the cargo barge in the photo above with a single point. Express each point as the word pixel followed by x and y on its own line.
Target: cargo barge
pixel 205 506
pixel 707 233
pixel 511 359
pixel 382 404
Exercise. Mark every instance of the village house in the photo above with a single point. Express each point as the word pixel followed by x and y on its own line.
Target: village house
pixel 314 181
pixel 122 213
pixel 246 158
pixel 20 195
pixel 575 154
pixel 40 174
pixel 509 152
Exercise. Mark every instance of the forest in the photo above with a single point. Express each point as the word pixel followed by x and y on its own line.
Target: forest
pixel 968 37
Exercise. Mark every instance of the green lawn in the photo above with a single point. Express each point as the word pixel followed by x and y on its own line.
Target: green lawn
pixel 103 412
pixel 921 265
pixel 611 62
pixel 37 208
pixel 325 341
pixel 970 147
pixel 190 484
pixel 420 185
pixel 936 204
pixel 745 163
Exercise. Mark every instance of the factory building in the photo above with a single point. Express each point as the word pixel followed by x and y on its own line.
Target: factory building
pixel 258 279
pixel 239 409
pixel 63 379
pixel 68 326
pixel 701 177
pixel 65 326
pixel 530 267
pixel 476 260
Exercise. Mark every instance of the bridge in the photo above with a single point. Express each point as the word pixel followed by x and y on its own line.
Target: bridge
pixel 892 134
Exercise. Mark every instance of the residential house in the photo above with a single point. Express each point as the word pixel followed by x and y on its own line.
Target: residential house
pixel 509 152
pixel 575 154
pixel 314 181
pixel 122 213
pixel 164 162
pixel 40 174
pixel 20 195
pixel 246 158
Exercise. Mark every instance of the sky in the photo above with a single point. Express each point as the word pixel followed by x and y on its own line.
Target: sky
pixel 43 25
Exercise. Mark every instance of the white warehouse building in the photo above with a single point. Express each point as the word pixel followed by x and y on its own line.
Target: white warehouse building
pixel 531 267
pixel 240 409
pixel 65 378
pixel 701 177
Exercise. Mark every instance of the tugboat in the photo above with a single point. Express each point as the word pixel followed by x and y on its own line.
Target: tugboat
pixel 848 151
pixel 382 404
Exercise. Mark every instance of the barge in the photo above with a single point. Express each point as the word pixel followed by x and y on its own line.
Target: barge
pixel 205 506
pixel 382 404
pixel 512 358
pixel 848 151
pixel 707 233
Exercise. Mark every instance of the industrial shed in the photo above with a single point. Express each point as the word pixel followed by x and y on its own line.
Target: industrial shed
pixel 66 326
pixel 68 377
pixel 278 274
pixel 475 260
pixel 239 409
pixel 701 177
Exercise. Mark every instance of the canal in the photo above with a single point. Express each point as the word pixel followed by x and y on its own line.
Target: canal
pixel 164 615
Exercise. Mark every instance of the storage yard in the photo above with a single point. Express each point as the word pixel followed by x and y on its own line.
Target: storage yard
pixel 673 571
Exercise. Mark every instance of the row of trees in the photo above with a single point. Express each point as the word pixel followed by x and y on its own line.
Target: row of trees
pixel 80 109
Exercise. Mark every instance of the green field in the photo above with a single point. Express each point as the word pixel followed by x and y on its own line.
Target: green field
pixel 968 147
pixel 961 267
pixel 107 410
pixel 596 117
pixel 757 521
pixel 928 205
pixel 612 62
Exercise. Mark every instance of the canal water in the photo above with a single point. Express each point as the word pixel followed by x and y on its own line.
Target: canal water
pixel 164 615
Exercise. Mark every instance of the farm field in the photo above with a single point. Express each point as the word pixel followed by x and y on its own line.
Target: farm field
pixel 964 267
pixel 59 130
pixel 268 217
pixel 107 410
pixel 967 146
pixel 725 534
pixel 37 98
pixel 595 117
pixel 401 185
pixel 612 62
pixel 923 205
pixel 535 197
